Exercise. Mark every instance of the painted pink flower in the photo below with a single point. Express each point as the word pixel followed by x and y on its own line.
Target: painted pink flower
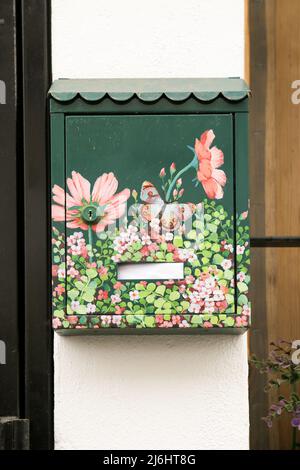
pixel 91 265
pixel 222 305
pixel 119 310
pixel 170 247
pixel 102 294
pixel 56 323
pixel 241 276
pixel 54 270
pixel 115 298
pixel 241 321
pixel 118 285
pixel 102 271
pixel 240 249
pixel 246 310
pixel 59 289
pixel 176 319
pixel 189 279
pixel 144 251
pixel 73 319
pixel 159 318
pixel 72 272
pixel 106 205
pixel 210 159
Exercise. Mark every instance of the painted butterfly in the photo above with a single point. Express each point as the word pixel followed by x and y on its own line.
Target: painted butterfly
pixel 170 215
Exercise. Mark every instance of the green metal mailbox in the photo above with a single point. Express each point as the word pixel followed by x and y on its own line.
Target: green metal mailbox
pixel 150 230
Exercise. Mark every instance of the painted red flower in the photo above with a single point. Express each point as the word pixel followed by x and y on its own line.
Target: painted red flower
pixel 210 159
pixel 102 294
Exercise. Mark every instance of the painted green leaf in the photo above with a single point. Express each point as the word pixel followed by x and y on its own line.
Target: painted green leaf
pixel 242 299
pixel 151 287
pixel 168 306
pixel 59 313
pixel 144 293
pixel 214 320
pixel 192 235
pixel 65 324
pixel 185 304
pixel 159 303
pixel 178 241
pixel 149 321
pixel 73 293
pixel 139 286
pixel 161 289
pixel 212 227
pixel 81 310
pixel 229 321
pixel 69 310
pixel 242 287
pixel 79 285
pixel 174 295
pixel 136 257
pixel 150 299
pixel 229 298
pixel 215 248
pixel 196 320
pixel 218 259
pixel 91 273
pixel 228 274
pixel 214 237
pixel 88 296
pixel 198 224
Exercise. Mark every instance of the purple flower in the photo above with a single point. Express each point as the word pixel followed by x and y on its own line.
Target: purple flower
pixel 295 422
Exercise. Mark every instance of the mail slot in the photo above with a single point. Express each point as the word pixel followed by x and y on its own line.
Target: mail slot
pixel 149 187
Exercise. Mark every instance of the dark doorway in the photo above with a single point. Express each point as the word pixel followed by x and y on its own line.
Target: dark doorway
pixel 26 367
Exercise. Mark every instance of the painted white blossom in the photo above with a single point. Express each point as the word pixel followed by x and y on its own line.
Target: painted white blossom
pixel 134 295
pixel 90 308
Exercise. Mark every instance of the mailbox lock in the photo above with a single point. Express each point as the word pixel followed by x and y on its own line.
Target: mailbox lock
pixel 90 214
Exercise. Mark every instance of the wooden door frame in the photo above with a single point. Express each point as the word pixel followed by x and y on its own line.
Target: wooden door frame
pixel 260 59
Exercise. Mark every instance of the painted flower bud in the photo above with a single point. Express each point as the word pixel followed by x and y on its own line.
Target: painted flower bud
pixel 134 194
pixel 162 173
pixel 181 192
pixel 172 168
pixel 175 192
pixel 179 183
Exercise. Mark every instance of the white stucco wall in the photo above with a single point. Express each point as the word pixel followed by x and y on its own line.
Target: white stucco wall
pixel 149 392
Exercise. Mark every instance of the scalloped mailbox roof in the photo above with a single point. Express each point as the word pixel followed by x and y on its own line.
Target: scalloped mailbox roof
pixel 148 90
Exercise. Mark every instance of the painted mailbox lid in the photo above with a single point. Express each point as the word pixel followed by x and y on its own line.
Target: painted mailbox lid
pixel 164 190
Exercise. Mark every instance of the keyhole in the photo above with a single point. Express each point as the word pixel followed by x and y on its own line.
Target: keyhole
pixel 90 214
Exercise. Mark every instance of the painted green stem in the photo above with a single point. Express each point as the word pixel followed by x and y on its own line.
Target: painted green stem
pixel 192 164
pixel 90 235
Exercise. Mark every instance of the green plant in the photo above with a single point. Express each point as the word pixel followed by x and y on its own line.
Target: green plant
pixel 282 369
